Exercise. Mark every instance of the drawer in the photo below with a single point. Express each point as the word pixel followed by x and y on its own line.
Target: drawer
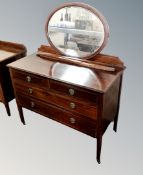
pixel 74 91
pixel 79 123
pixel 28 78
pixel 67 103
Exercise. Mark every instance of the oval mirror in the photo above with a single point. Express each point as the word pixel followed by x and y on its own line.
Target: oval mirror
pixel 77 30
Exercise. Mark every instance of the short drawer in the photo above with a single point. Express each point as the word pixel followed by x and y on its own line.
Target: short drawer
pixel 79 123
pixel 74 91
pixel 64 102
pixel 28 78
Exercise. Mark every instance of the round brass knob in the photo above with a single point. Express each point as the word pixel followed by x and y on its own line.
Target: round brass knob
pixel 30 91
pixel 72 120
pixel 28 79
pixel 32 104
pixel 71 91
pixel 72 105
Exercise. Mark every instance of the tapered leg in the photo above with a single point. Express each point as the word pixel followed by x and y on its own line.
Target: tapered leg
pixel 21 114
pixel 115 123
pixel 116 117
pixel 99 144
pixel 7 108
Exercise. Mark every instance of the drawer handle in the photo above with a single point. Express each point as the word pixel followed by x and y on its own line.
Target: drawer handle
pixel 28 79
pixel 72 120
pixel 30 91
pixel 72 105
pixel 32 104
pixel 71 91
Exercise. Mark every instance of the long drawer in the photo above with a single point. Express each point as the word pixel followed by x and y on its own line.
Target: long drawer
pixel 87 126
pixel 64 102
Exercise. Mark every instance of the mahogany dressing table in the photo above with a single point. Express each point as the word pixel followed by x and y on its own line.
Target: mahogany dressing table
pixel 9 52
pixel 81 92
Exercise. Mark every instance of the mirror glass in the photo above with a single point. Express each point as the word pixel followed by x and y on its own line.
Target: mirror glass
pixel 76 31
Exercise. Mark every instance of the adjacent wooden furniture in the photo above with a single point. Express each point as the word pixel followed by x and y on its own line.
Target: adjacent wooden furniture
pixel 79 97
pixel 9 52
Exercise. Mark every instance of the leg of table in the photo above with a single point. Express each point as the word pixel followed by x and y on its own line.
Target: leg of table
pixel 116 117
pixel 115 123
pixel 7 108
pixel 99 144
pixel 21 114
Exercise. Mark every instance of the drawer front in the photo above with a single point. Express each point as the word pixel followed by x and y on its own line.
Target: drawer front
pixel 79 123
pixel 70 104
pixel 28 78
pixel 73 91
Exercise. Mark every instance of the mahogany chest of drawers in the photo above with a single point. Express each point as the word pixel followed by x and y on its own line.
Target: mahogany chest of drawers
pixel 9 52
pixel 78 97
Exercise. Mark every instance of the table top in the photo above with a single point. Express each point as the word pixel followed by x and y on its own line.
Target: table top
pixel 10 50
pixel 84 77
pixel 5 54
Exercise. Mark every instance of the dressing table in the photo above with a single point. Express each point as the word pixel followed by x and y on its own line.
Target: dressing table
pixel 70 81
pixel 9 52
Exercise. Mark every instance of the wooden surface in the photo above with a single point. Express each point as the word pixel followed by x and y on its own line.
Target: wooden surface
pixel 78 97
pixel 77 122
pixel 9 52
pixel 73 75
pixel 63 102
pixel 110 63
pixel 5 54
pixel 75 62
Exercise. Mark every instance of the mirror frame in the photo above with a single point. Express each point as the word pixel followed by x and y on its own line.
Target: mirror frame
pixel 92 10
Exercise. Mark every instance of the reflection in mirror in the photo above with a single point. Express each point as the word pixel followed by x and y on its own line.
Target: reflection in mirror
pixel 76 31
pixel 71 71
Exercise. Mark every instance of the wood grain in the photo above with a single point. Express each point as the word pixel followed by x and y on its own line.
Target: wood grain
pixel 99 62
pixel 71 61
pixel 55 86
